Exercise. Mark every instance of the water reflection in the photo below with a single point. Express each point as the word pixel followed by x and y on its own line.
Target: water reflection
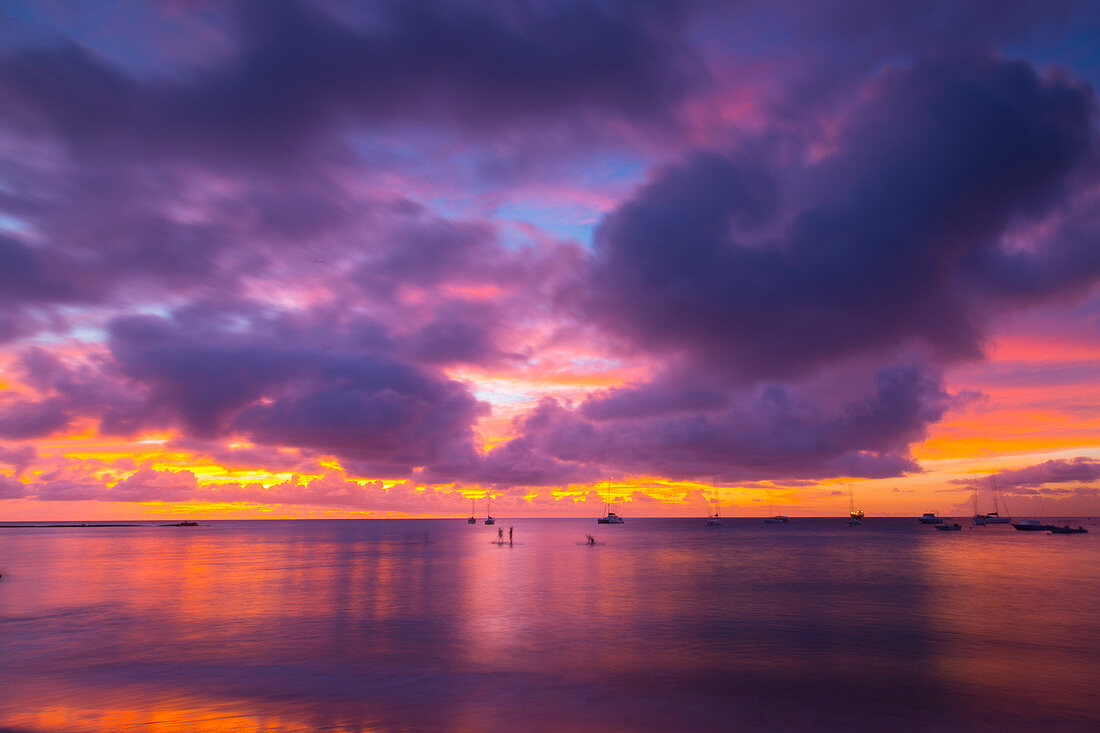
pixel 387 625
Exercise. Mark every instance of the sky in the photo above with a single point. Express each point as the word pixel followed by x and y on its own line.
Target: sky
pixel 339 259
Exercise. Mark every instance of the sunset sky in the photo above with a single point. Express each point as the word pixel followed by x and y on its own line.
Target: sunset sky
pixel 343 259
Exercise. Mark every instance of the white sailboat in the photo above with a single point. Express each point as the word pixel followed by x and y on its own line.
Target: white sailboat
pixel 994 517
pixel 472 519
pixel 488 510
pixel 611 517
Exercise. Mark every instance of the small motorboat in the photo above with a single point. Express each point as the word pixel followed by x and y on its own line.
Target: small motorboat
pixel 930 518
pixel 1032 525
pixel 1069 530
pixel 777 519
pixel 954 527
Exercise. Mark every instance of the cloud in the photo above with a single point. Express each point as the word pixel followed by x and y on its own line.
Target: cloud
pixel 894 239
pixel 315 392
pixel 293 72
pixel 18 458
pixel 1057 471
pixel 772 432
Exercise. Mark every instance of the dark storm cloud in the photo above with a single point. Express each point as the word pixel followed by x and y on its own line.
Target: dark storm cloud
pixel 304 392
pixel 775 431
pixel 296 71
pixel 891 240
pixel 1081 469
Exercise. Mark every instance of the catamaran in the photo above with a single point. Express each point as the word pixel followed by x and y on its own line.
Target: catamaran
pixel 994 517
pixel 611 517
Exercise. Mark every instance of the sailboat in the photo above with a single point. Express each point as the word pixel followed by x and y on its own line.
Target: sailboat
pixel 472 519
pixel 611 517
pixel 777 519
pixel 855 516
pixel 488 513
pixel 714 520
pixel 994 517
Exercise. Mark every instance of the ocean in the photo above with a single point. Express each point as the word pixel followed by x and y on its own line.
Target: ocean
pixel 663 625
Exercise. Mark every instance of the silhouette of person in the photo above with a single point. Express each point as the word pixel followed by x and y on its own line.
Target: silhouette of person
pixel 500 536
pixel 591 539
pixel 509 535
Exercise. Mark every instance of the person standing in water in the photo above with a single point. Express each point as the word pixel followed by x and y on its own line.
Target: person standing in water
pixel 500 536
pixel 509 535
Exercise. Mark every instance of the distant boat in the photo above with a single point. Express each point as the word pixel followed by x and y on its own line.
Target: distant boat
pixel 488 513
pixel 854 513
pixel 715 520
pixel 855 516
pixel 950 527
pixel 611 517
pixel 1069 530
pixel 930 518
pixel 994 517
pixel 1032 525
pixel 777 519
pixel 472 519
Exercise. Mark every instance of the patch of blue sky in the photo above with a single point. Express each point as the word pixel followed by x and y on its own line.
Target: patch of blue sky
pixel 573 222
pixel 1077 50
pixel 138 36
pixel 496 397
pixel 12 224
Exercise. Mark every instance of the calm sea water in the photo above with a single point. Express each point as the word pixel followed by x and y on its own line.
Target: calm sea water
pixel 665 625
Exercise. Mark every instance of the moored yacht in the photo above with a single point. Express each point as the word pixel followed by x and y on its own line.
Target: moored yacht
pixel 1032 525
pixel 994 517
pixel 777 519
pixel 1069 530
pixel 610 517
pixel 930 518
pixel 714 520
pixel 855 516
pixel 488 511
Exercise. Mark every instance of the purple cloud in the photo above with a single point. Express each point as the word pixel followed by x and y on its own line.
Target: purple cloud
pixel 294 71
pixel 1057 471
pixel 893 239
pixel 775 431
